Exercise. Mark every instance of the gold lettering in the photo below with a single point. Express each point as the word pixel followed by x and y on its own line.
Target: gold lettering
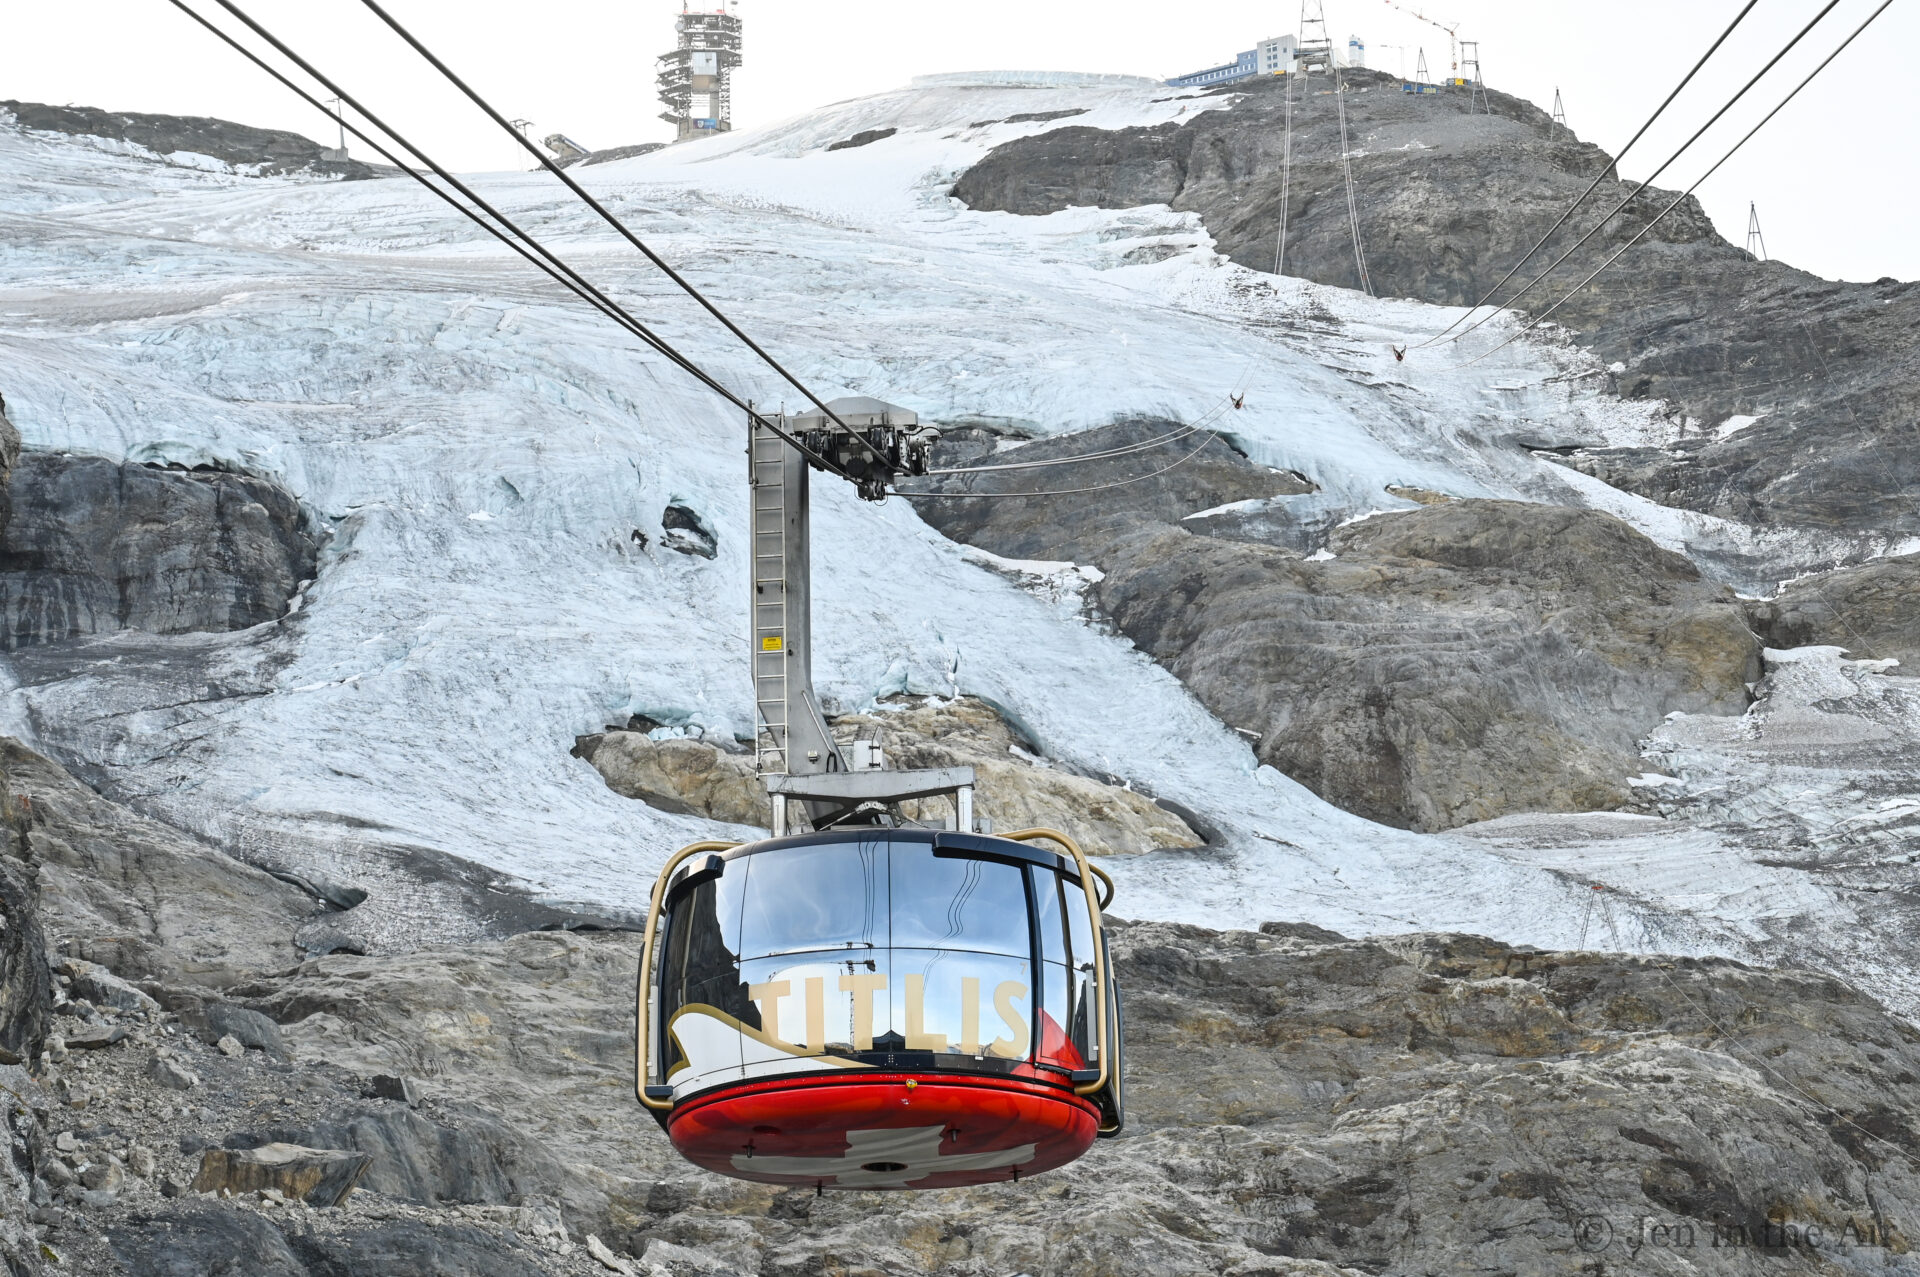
pixel 862 986
pixel 1003 997
pixel 816 1014
pixel 918 1039
pixel 768 996
pixel 970 1014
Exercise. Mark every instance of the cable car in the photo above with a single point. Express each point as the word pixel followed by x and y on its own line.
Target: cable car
pixel 880 1008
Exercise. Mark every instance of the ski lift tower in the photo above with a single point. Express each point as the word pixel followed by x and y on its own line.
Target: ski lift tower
pixel 696 78
pixel 811 782
pixel 1315 51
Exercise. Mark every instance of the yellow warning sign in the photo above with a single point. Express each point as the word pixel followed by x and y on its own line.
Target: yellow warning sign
pixel 771 643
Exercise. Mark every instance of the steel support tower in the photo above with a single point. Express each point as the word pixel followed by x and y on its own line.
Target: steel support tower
pixel 696 78
pixel 1315 52
pixel 1756 242
pixel 1477 102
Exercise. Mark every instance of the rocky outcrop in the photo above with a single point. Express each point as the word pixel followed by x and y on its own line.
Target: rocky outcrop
pixel 9 459
pixel 1018 788
pixel 263 151
pixel 137 896
pixel 1446 665
pixel 96 546
pixel 679 775
pixel 1873 611
pixel 1450 201
pixel 1300 1105
pixel 1070 526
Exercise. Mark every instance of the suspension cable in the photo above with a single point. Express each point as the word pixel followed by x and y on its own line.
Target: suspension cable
pixel 1060 492
pixel 1689 191
pixel 1598 226
pixel 1143 446
pixel 1598 178
pixel 1286 179
pixel 1346 164
pixel 618 225
pixel 553 266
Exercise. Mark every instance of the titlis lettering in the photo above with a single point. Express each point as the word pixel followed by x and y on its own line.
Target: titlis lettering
pixel 861 986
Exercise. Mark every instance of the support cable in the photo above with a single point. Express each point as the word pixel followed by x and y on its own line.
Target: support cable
pixel 1346 164
pixel 1143 446
pixel 1600 177
pixel 1059 492
pixel 1689 191
pixel 1286 179
pixel 1598 226
pixel 552 265
pixel 607 217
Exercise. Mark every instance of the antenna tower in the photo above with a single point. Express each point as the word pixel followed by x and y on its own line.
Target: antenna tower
pixel 1756 242
pixel 1476 90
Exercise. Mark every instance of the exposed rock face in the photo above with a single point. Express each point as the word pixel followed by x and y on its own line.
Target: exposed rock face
pixel 137 896
pixel 323 1177
pixel 1017 788
pixel 1872 610
pixel 265 151
pixel 688 776
pixel 96 546
pixel 9 459
pixel 1450 664
pixel 1449 202
pixel 1072 526
pixel 1300 1105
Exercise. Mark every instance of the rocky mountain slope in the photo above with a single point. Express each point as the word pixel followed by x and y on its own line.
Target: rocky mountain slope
pixel 192 141
pixel 1300 1104
pixel 1694 320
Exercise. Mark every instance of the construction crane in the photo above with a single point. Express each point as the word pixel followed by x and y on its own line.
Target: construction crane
pixel 1453 37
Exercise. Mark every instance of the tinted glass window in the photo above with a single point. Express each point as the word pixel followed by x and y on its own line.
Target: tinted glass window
pixel 958 903
pixel 826 897
pixel 963 1004
pixel 1053 923
pixel 1079 924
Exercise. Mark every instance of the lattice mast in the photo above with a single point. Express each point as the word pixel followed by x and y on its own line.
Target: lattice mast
pixel 1756 242
pixel 696 78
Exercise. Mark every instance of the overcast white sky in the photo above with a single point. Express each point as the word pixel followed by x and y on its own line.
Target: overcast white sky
pixel 1834 176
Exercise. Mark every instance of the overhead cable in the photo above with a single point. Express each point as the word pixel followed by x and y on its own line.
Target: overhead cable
pixel 1885 5
pixel 607 216
pixel 1598 226
pixel 1598 177
pixel 552 265
pixel 1143 446
pixel 1060 492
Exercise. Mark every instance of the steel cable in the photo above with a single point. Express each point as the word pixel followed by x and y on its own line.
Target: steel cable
pixel 1683 196
pixel 552 265
pixel 605 215
pixel 1601 224
pixel 1600 177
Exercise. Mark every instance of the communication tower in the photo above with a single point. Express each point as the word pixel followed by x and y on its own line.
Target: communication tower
pixel 696 78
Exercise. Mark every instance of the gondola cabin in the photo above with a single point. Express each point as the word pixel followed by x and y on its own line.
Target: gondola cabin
pixel 880 1008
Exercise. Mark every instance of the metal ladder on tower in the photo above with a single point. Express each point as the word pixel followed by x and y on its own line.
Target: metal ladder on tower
pixel 767 465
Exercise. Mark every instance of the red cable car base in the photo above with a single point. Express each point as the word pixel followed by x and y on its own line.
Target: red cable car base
pixel 885 1131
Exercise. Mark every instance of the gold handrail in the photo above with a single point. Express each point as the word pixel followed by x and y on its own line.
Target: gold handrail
pixel 643 1034
pixel 1094 906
